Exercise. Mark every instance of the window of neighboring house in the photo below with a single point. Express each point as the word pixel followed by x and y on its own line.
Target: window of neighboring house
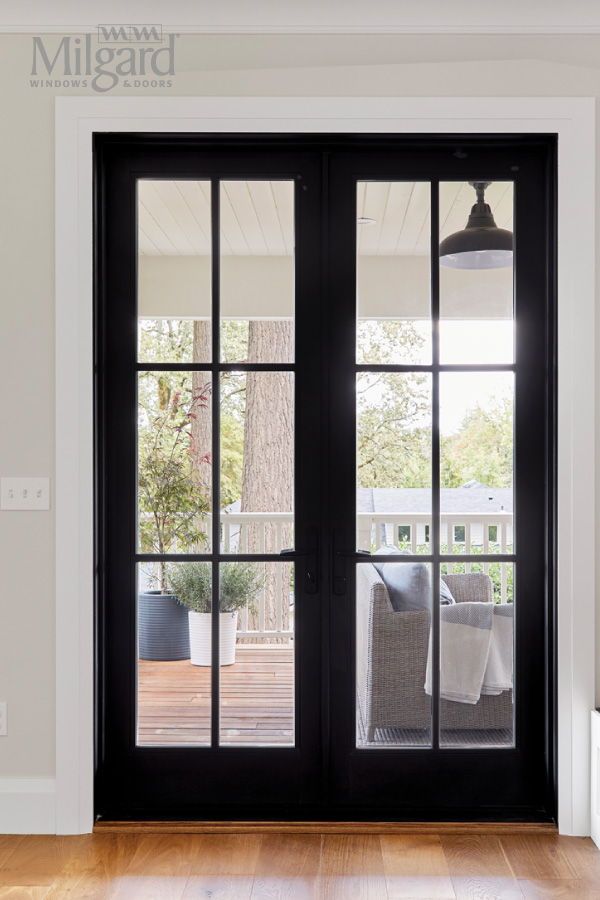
pixel 403 534
pixel 493 533
pixel 427 534
pixel 459 534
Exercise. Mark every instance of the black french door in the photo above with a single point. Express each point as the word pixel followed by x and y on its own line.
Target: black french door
pixel 324 457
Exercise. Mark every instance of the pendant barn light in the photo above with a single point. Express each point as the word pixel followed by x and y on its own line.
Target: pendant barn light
pixel 481 244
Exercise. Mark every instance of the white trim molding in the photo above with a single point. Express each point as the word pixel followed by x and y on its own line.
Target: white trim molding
pixel 572 119
pixel 311 17
pixel 27 806
pixel 595 779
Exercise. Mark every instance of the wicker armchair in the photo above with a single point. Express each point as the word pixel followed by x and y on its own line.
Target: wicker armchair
pixel 392 660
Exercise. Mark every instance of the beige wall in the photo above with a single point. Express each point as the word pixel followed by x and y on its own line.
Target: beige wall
pixel 303 65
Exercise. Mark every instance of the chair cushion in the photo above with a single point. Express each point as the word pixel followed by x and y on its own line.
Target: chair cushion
pixel 446 595
pixel 408 583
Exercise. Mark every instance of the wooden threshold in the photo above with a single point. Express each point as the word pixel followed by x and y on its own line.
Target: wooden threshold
pixel 264 827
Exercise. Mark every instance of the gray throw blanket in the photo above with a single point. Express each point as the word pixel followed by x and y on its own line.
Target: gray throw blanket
pixel 476 651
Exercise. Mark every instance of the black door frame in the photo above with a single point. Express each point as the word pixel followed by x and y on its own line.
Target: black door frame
pixel 118 159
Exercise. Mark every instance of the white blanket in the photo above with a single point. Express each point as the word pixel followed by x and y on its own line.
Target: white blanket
pixel 498 675
pixel 476 651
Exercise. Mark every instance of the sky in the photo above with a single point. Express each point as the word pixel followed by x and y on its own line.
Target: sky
pixel 488 341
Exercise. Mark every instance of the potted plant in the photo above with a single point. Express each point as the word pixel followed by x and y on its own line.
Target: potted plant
pixel 172 508
pixel 239 584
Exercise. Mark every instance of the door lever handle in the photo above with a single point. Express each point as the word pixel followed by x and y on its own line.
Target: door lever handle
pixel 354 553
pixel 311 567
pixel 339 579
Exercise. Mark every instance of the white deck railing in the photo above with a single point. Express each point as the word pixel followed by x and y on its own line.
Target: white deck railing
pixel 272 619
pixel 485 533
pixel 469 533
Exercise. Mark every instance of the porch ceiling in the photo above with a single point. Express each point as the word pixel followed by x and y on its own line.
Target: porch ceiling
pixel 257 216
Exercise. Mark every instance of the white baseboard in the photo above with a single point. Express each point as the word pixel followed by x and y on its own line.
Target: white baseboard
pixel 595 780
pixel 27 806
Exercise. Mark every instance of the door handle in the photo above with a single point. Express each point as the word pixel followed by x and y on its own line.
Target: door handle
pixel 339 581
pixel 366 554
pixel 311 561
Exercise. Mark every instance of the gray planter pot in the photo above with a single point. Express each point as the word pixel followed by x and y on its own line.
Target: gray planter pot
pixel 163 630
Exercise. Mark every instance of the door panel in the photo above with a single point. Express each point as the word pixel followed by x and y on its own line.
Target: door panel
pixel 211 318
pixel 447 480
pixel 318 437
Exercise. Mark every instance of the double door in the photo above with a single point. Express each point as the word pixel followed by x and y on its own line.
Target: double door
pixel 324 480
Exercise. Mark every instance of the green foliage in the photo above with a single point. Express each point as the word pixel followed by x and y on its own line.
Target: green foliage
pixel 192 584
pixel 239 584
pixel 393 442
pixel 482 449
pixel 384 341
pixel 232 458
pixel 171 506
pixel 172 340
pixel 494 571
pixel 233 406
pixel 234 340
pixel 393 418
pixel 166 340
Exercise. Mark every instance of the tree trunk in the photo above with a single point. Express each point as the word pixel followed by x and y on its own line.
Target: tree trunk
pixel 268 470
pixel 201 428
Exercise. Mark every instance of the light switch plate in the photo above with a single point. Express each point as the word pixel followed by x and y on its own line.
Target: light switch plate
pixel 25 493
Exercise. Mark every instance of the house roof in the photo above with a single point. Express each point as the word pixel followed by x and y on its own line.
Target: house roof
pixel 470 498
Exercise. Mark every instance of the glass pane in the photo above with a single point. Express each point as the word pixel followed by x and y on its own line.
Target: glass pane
pixel 476 453
pixel 393 461
pixel 477 635
pixel 257 462
pixel 174 271
pixel 174 653
pixel 476 304
pixel 393 616
pixel 256 653
pixel 393 272
pixel 174 462
pixel 257 271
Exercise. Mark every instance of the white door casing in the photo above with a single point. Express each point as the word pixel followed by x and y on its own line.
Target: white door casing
pixel 77 119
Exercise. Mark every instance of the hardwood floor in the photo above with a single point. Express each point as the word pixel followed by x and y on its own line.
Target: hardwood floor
pixel 290 866
pixel 257 699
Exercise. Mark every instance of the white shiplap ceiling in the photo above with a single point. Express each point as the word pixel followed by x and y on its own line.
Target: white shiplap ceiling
pixel 257 216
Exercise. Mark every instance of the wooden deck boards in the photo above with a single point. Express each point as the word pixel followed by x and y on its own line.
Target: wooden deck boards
pixel 257 699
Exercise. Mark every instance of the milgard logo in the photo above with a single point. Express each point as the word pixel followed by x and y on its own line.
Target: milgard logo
pixel 130 34
pixel 128 56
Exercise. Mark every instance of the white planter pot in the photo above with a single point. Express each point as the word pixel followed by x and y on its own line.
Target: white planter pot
pixel 200 638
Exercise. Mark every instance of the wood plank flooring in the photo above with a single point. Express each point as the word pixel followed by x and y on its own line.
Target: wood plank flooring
pixel 293 866
pixel 256 697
